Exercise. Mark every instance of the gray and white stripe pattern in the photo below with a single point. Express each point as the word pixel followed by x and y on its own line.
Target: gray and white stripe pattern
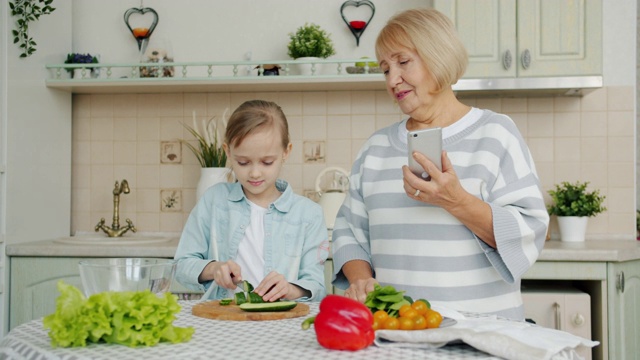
pixel 426 251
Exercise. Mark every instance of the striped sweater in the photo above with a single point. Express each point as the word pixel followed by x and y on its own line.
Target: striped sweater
pixel 426 251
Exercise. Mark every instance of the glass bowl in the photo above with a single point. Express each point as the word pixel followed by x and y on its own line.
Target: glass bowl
pixel 126 274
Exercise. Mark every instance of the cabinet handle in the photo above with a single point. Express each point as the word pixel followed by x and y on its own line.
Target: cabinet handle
pixel 507 59
pixel 526 59
pixel 558 316
pixel 620 281
pixel 578 319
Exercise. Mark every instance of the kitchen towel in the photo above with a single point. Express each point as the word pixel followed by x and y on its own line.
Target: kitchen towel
pixel 504 338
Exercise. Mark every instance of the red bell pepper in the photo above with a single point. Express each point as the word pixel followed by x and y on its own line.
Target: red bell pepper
pixel 342 324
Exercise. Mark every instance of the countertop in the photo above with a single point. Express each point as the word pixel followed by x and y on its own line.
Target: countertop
pixel 554 250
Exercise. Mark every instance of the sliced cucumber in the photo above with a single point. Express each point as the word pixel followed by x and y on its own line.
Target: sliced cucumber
pixel 269 306
pixel 240 298
pixel 226 301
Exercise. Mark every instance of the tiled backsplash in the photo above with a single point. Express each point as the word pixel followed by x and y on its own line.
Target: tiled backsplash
pixel 136 137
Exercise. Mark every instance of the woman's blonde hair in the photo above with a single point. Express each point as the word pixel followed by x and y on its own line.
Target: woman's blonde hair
pixel 432 35
pixel 252 115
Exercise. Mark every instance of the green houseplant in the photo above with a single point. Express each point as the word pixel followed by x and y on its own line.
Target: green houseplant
pixel 208 151
pixel 310 40
pixel 573 205
pixel 27 11
pixel 77 58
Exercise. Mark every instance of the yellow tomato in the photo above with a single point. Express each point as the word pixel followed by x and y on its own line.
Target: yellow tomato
pixel 433 319
pixel 380 315
pixel 403 309
pixel 420 322
pixel 420 306
pixel 406 323
pixel 391 324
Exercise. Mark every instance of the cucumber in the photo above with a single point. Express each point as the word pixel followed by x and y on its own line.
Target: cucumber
pixel 269 306
pixel 240 298
pixel 226 301
pixel 255 298
pixel 247 287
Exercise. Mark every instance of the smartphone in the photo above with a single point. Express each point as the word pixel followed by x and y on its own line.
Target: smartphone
pixel 429 143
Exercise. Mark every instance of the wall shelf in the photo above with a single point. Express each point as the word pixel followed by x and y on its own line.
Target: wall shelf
pixel 226 77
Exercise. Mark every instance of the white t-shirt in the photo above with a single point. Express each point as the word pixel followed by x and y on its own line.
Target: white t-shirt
pixel 251 248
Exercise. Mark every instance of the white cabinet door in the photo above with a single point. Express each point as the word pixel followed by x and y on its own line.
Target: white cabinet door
pixel 487 29
pixel 559 38
pixel 562 309
pixel 528 38
pixel 624 310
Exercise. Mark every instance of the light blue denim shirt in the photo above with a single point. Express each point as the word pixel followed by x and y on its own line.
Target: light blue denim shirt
pixel 296 242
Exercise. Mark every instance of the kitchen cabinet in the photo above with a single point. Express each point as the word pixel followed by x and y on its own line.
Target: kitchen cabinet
pixel 528 38
pixel 623 289
pixel 34 285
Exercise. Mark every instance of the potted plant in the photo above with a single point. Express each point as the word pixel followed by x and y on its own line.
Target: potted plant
pixel 309 42
pixel 208 151
pixel 573 205
pixel 77 58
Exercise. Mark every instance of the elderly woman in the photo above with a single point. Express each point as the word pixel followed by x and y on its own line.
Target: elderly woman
pixel 465 237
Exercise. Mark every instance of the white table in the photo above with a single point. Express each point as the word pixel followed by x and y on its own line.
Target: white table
pixel 215 339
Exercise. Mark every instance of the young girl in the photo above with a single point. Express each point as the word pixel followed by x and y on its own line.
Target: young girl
pixel 256 229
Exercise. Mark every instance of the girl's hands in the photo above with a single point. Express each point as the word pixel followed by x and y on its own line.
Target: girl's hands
pixel 274 286
pixel 226 274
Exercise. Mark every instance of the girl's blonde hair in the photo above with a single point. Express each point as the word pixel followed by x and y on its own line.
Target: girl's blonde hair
pixel 432 35
pixel 252 115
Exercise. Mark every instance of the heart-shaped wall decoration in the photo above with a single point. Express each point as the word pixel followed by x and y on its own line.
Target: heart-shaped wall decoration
pixel 357 27
pixel 141 33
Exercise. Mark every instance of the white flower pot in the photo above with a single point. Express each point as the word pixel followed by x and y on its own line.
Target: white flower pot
pixel 209 177
pixel 572 228
pixel 306 69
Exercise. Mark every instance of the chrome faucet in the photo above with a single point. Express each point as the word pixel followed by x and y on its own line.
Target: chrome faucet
pixel 115 230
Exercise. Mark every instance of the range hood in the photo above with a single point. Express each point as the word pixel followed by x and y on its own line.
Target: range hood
pixel 515 87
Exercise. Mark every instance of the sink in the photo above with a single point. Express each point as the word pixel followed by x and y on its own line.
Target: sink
pixel 105 240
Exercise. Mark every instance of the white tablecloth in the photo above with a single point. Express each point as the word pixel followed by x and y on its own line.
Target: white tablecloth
pixel 215 339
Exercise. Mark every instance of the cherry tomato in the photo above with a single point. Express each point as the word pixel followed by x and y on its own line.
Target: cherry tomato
pixel 420 322
pixel 380 315
pixel 391 323
pixel 433 319
pixel 420 307
pixel 406 323
pixel 410 313
pixel 403 309
pixel 426 302
pixel 376 324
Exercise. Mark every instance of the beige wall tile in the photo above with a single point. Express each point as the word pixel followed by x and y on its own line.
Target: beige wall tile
pixel 101 129
pixel 620 123
pixel 514 105
pixel 314 127
pixel 540 124
pixel 621 148
pixel 101 106
pixel 314 103
pixel 620 98
pixel 102 152
pixel 594 124
pixel 362 126
pixel 125 105
pixel 118 137
pixel 363 102
pixel 81 106
pixel 81 128
pixel 566 104
pixel 566 124
pixel 593 149
pixel 125 129
pixel 148 129
pixel 339 103
pixel 595 100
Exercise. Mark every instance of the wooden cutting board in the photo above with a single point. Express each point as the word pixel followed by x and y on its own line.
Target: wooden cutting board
pixel 213 310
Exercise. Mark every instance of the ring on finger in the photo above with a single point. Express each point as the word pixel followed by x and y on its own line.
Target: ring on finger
pixel 417 193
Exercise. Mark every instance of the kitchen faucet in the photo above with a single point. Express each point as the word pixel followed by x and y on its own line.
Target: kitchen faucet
pixel 115 230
